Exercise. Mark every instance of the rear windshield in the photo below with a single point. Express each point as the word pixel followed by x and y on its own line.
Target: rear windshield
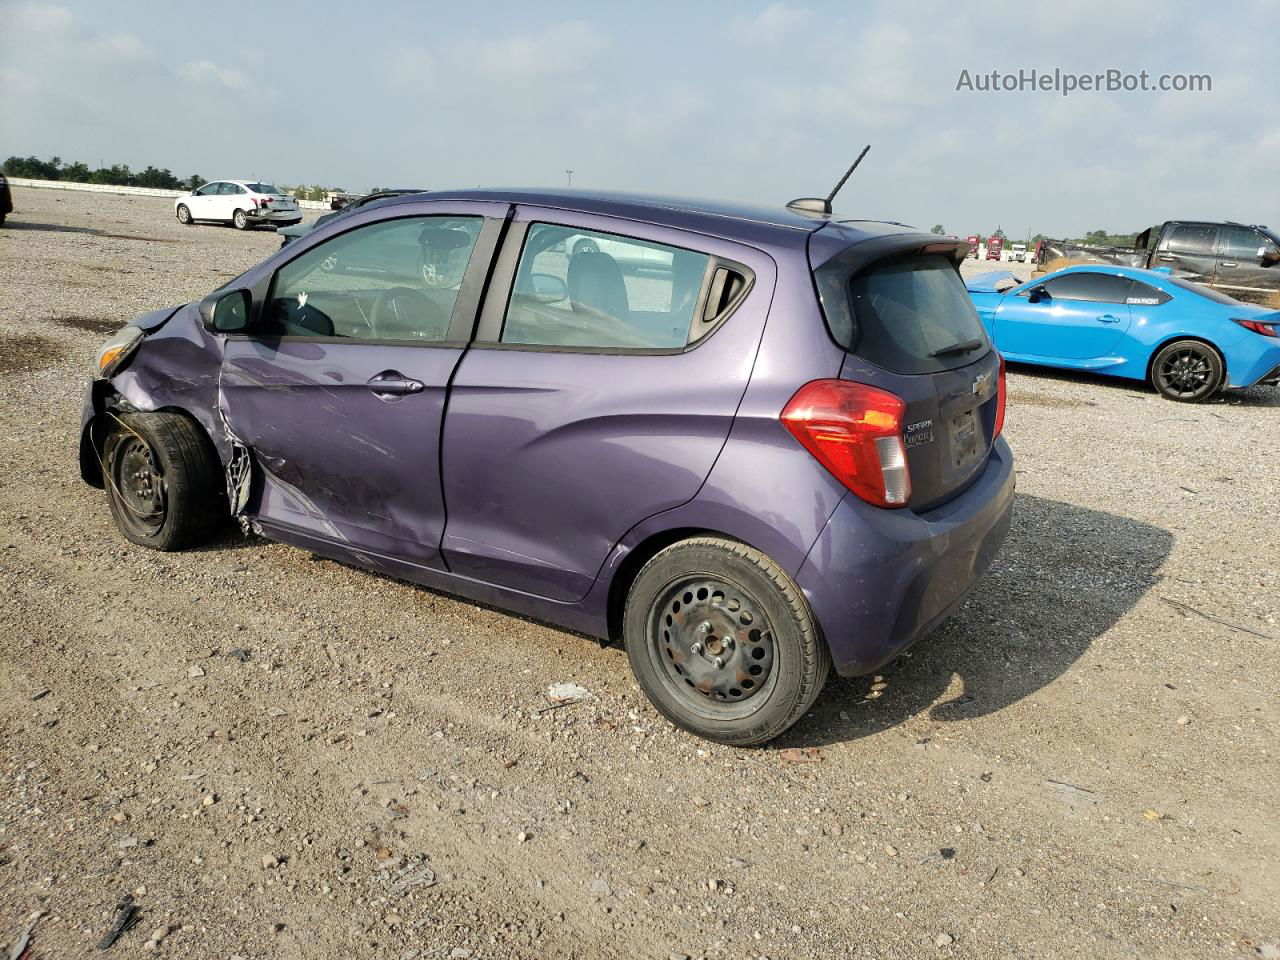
pixel 909 315
pixel 1217 296
pixel 264 188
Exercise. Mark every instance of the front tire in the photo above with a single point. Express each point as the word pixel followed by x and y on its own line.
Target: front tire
pixel 164 483
pixel 184 215
pixel 240 220
pixel 722 641
pixel 1189 371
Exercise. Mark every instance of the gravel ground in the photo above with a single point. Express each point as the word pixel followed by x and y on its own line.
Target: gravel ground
pixel 280 757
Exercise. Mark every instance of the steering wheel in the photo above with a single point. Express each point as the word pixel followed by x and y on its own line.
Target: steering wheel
pixel 402 313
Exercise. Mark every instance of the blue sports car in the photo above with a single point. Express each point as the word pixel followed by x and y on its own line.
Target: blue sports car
pixel 1187 340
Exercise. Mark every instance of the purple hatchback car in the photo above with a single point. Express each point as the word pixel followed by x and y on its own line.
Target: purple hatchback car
pixel 748 443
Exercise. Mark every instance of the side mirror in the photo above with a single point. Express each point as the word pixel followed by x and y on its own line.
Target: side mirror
pixel 1268 256
pixel 1038 293
pixel 226 311
pixel 548 288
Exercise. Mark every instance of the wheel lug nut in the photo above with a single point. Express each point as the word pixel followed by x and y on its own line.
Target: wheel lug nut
pixel 718 662
pixel 704 627
pixel 696 648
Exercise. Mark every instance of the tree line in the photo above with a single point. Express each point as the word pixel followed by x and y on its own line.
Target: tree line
pixel 119 175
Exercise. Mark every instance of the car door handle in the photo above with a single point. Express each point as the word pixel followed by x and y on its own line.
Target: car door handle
pixel 1109 318
pixel 1227 263
pixel 1167 259
pixel 395 385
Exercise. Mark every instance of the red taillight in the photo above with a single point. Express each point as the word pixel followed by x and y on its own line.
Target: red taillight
pixel 1268 328
pixel 855 431
pixel 266 201
pixel 1001 399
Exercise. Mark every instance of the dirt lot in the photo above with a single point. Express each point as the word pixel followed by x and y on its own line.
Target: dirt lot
pixel 275 755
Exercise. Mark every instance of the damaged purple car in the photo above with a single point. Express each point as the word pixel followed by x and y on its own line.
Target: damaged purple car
pixel 748 443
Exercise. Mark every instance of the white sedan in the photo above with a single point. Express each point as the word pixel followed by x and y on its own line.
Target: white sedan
pixel 240 202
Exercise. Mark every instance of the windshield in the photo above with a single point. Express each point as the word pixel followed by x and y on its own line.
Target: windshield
pixel 1208 293
pixel 264 188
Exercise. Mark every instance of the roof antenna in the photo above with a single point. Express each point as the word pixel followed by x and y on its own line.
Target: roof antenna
pixel 820 206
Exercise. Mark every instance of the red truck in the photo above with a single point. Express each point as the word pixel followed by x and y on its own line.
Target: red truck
pixel 974 242
pixel 995 248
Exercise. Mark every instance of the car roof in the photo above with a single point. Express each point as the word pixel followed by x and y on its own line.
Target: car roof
pixel 716 218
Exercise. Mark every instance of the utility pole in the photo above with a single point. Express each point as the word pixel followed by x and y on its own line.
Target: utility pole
pixel 570 174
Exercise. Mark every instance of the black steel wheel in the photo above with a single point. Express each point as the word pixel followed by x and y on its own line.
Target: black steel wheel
pixel 1188 371
pixel 165 486
pixel 722 641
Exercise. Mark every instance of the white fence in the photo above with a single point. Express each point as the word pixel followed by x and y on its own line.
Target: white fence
pixel 131 191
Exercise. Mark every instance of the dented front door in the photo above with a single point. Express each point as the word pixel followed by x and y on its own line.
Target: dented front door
pixel 335 454
pixel 339 392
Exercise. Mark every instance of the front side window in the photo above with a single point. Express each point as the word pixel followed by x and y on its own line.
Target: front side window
pixel 209 189
pixel 577 288
pixel 1193 239
pixel 1090 287
pixel 394 280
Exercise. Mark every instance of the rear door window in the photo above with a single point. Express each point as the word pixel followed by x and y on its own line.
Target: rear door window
pixel 584 289
pixel 1090 287
pixel 912 315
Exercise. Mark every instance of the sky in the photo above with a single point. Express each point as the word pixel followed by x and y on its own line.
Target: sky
pixel 747 101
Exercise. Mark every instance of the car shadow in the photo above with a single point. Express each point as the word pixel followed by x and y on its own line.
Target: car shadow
pixel 48 227
pixel 1065 575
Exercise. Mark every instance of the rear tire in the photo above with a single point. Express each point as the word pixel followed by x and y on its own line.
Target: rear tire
pixel 722 641
pixel 165 485
pixel 184 215
pixel 240 220
pixel 1188 371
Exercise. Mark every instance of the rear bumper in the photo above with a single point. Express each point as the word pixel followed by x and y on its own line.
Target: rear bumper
pixel 1253 360
pixel 282 217
pixel 879 580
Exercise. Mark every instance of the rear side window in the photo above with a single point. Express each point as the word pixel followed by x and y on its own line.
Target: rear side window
pixel 1143 295
pixel 576 288
pixel 1194 239
pixel 1090 287
pixel 908 314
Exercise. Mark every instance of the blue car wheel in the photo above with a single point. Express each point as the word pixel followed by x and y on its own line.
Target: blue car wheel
pixel 1187 370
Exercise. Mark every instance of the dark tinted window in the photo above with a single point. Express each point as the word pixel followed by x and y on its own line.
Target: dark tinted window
pixel 265 188
pixel 1092 287
pixel 1144 295
pixel 579 288
pixel 1240 243
pixel 1193 239
pixel 394 280
pixel 907 310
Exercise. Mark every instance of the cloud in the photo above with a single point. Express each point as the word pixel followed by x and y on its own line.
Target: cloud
pixel 771 25
pixel 206 71
pixel 41 18
pixel 563 48
pixel 117 48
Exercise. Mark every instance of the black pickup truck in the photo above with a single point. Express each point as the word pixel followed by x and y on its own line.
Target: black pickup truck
pixel 1241 260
